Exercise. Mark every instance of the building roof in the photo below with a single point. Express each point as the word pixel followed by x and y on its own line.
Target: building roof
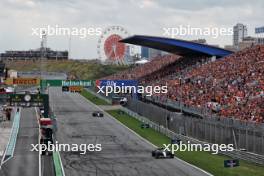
pixel 176 46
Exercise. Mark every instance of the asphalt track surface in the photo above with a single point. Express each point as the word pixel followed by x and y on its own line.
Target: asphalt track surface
pixel 24 162
pixel 123 153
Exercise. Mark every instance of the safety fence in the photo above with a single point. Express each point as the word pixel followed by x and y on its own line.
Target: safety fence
pixel 248 138
pixel 201 126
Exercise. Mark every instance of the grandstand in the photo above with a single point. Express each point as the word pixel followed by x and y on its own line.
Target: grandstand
pixel 231 86
pixel 34 55
pixel 149 68
pixel 40 53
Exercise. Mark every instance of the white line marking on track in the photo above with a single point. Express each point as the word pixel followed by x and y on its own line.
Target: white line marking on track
pixel 52 109
pixel 40 165
pixel 184 162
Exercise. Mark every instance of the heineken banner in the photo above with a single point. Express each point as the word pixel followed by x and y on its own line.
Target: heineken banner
pixel 60 83
pixel 83 83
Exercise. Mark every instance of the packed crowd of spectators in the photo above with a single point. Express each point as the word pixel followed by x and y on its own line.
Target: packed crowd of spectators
pixel 232 86
pixel 234 83
pixel 141 71
pixel 175 70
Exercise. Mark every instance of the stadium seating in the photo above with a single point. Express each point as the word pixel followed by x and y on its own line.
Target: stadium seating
pixel 141 71
pixel 234 83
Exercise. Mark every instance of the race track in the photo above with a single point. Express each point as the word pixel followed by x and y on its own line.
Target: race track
pixel 123 153
pixel 26 162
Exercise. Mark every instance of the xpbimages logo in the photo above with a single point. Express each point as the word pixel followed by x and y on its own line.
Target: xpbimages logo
pixel 51 147
pixel 148 90
pixel 188 30
pixel 214 148
pixel 82 32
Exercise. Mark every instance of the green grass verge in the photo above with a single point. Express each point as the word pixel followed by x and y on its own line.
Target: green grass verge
pixel 208 162
pixel 57 164
pixel 96 100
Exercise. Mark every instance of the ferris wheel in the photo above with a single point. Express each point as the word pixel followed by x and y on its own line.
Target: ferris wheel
pixel 110 50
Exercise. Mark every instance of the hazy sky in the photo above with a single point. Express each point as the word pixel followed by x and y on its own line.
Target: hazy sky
pixel 18 17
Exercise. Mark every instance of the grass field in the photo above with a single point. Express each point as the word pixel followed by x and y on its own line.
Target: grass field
pixel 208 162
pixel 93 98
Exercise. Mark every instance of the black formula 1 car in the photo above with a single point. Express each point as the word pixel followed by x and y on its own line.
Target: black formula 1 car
pixel 161 153
pixel 98 114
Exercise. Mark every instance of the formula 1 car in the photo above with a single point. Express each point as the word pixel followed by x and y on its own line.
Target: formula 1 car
pixel 161 153
pixel 98 114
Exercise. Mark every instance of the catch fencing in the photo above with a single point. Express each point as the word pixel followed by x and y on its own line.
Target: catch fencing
pixel 247 138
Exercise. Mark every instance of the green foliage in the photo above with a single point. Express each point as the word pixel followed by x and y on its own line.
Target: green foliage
pixel 83 70
pixel 213 164
pixel 93 98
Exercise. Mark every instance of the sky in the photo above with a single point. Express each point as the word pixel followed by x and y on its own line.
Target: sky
pixel 19 18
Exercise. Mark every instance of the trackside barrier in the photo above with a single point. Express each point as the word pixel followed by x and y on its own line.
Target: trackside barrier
pixel 9 152
pixel 57 164
pixel 247 156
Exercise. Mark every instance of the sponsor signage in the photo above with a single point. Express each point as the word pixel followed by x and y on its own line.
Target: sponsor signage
pixel 26 81
pixel 144 125
pixel 75 88
pixel 61 83
pixel 231 163
pixel 9 81
pixel 116 83
pixel 83 83
pixel 30 100
pixel 52 83
pixel 23 81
